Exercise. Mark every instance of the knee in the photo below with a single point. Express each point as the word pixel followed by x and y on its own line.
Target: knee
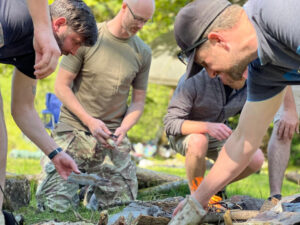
pixel 257 161
pixel 197 146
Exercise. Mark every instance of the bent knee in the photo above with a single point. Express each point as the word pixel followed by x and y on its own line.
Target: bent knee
pixel 197 145
pixel 257 161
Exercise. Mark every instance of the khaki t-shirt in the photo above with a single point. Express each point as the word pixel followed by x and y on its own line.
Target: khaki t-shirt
pixel 105 73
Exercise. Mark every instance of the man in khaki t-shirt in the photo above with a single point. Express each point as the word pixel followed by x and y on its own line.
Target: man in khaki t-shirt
pixel 94 87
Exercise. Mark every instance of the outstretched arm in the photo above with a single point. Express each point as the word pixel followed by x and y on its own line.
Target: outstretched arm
pixel 26 117
pixel 46 49
pixel 239 148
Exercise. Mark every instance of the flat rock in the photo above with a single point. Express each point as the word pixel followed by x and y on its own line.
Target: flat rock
pixel 17 192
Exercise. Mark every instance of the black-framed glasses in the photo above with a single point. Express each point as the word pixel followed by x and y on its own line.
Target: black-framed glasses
pixel 183 55
pixel 137 18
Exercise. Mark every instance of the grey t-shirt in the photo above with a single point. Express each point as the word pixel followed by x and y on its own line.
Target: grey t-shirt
pixel 277 27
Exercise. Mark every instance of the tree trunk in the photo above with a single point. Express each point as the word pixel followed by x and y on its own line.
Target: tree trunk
pixel 293 176
pixel 149 178
pixel 163 187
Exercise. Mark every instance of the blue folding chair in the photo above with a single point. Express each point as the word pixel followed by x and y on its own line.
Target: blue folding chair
pixel 52 111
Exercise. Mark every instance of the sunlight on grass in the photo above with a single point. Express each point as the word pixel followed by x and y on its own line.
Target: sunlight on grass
pixel 23 166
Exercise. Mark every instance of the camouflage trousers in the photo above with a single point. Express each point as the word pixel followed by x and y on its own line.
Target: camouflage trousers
pixel 91 157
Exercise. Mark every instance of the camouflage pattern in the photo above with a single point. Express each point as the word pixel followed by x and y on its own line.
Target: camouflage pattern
pixel 91 157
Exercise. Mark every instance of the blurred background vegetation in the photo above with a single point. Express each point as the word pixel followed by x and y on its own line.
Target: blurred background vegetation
pixel 158 96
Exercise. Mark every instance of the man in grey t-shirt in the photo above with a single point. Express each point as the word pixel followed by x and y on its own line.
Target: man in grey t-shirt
pixel 225 39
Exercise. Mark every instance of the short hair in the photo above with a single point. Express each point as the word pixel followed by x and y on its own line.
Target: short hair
pixel 79 18
pixel 226 20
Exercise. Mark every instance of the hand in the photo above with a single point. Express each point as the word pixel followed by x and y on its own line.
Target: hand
pixel 288 124
pixel 220 131
pixel 120 133
pixel 99 130
pixel 179 207
pixel 64 165
pixel 47 52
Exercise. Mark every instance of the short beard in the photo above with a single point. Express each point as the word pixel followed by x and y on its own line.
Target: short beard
pixel 237 71
pixel 60 42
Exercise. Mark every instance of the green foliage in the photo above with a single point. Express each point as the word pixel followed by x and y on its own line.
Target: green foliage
pixel 151 120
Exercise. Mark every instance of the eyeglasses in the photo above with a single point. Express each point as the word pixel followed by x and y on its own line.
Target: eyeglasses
pixel 137 18
pixel 183 55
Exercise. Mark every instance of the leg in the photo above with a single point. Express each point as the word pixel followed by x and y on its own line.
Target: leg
pixel 123 173
pixel 195 163
pixel 3 150
pixel 254 165
pixel 278 157
pixel 54 192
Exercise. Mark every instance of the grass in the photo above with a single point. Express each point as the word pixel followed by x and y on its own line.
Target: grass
pixel 256 185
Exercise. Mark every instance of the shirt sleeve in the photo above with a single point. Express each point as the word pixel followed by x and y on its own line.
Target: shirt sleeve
pixel 73 63
pixel 180 106
pixel 141 80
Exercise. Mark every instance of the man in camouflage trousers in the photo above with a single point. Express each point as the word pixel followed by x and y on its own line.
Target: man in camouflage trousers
pixel 94 86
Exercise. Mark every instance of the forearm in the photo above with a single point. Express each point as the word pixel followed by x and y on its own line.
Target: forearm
pixel 289 101
pixel 30 123
pixel 39 11
pixel 193 127
pixel 132 116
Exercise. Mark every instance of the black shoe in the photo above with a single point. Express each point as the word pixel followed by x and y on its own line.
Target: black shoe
pixel 277 196
pixel 9 218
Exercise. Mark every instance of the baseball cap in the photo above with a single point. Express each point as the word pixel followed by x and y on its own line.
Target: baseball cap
pixel 191 23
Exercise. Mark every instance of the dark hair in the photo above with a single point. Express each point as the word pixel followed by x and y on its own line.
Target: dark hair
pixel 79 18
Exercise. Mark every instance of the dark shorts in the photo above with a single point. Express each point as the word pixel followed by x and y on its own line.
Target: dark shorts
pixel 24 63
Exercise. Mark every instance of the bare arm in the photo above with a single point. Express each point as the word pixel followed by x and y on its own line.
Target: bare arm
pixel 240 146
pixel 133 113
pixel 46 48
pixel 289 122
pixel 26 117
pixel 64 92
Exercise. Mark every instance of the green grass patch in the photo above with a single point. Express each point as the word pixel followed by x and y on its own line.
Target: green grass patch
pixel 23 166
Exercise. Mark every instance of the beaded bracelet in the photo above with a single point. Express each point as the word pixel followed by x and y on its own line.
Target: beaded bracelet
pixel 54 152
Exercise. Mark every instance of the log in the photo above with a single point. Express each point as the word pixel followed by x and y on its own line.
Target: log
pixel 149 178
pixel 164 187
pixel 235 215
pixel 191 213
pixel 294 177
pixel 150 220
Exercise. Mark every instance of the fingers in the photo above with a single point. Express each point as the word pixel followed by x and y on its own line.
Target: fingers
pixel 178 208
pixel 46 65
pixel 286 131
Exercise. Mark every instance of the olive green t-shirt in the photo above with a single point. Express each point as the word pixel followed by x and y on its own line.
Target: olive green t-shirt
pixel 105 73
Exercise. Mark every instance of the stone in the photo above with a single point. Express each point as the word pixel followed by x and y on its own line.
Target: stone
pixel 17 192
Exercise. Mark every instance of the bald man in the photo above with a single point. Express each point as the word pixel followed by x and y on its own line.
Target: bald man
pixel 93 86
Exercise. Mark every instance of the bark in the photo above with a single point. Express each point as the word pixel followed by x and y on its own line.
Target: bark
pixel 149 178
pixel 294 177
pixel 150 220
pixel 163 187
